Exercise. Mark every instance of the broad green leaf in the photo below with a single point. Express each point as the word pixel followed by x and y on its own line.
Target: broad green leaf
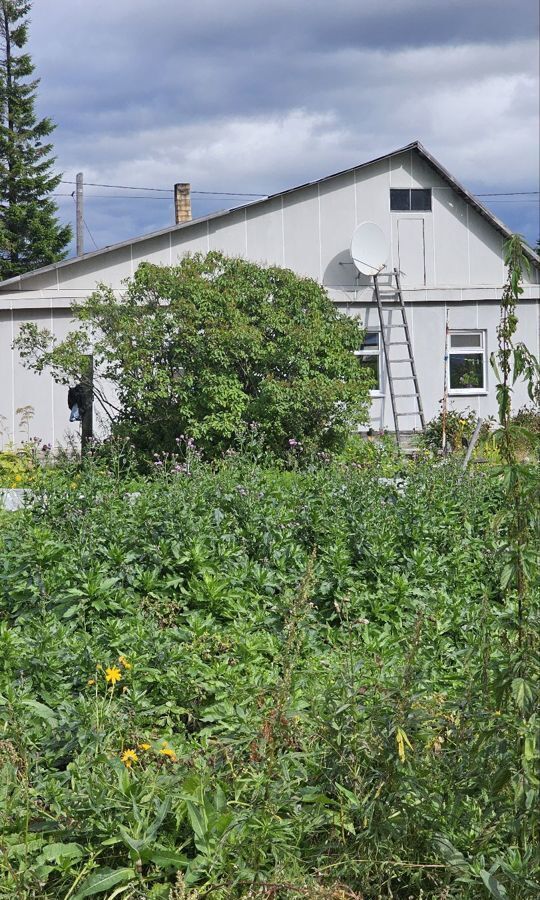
pixel 134 844
pixel 61 851
pixel 103 879
pixel 44 712
pixel 522 693
pixel 450 853
pixel 168 858
pixel 495 888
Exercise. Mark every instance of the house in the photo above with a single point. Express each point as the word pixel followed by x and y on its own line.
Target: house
pixel 447 246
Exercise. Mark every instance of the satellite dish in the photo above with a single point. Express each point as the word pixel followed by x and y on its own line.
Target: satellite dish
pixel 369 249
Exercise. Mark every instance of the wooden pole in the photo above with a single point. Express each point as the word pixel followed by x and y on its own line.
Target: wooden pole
pixel 87 424
pixel 79 213
pixel 445 390
pixel 472 444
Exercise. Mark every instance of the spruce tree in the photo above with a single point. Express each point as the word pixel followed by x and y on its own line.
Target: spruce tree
pixel 30 234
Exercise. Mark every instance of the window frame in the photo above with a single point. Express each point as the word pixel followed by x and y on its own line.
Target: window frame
pixel 461 351
pixel 410 207
pixel 373 353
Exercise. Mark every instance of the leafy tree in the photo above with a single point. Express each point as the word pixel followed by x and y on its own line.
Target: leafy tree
pixel 30 235
pixel 213 348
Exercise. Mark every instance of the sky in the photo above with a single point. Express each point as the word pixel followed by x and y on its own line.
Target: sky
pixel 256 96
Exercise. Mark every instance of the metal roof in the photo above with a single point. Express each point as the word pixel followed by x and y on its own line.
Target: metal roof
pixel 414 145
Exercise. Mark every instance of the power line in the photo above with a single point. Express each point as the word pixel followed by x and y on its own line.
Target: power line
pixel 91 235
pixel 116 197
pixel 509 194
pixel 170 199
pixel 127 187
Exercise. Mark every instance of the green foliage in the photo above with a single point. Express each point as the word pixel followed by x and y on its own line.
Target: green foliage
pixel 460 425
pixel 30 235
pixel 308 667
pixel 213 347
pixel 16 468
pixel 518 530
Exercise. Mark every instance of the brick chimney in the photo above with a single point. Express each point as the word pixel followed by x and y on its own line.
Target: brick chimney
pixel 182 202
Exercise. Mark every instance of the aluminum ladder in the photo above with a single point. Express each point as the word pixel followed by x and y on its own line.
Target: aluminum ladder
pixel 407 358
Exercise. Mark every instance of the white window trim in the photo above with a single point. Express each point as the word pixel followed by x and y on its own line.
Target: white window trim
pixel 482 350
pixel 376 392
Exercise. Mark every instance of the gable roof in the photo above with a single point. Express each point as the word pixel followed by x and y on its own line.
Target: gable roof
pixel 10 283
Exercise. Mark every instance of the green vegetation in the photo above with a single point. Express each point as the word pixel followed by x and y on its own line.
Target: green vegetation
pixel 30 235
pixel 271 674
pixel 250 674
pixel 209 348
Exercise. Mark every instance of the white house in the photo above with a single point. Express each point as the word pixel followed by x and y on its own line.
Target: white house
pixel 447 246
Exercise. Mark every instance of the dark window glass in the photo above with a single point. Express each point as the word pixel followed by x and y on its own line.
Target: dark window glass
pixel 371 339
pixel 421 199
pixel 464 340
pixel 466 371
pixel 405 199
pixel 400 199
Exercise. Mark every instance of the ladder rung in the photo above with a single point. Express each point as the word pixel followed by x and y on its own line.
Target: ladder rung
pixel 397 343
pixel 406 359
pixel 416 394
pixel 414 412
pixel 402 377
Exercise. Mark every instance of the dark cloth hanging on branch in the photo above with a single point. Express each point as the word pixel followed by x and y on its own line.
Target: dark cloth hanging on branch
pixel 77 402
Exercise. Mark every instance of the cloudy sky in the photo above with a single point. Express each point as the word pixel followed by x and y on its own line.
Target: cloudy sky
pixel 260 95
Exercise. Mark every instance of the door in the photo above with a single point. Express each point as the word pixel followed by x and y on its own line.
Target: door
pixel 411 251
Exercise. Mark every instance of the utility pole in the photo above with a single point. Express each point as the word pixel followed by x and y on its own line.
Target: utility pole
pixel 79 213
pixel 87 423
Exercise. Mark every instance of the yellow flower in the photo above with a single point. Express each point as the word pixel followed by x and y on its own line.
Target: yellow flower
pixel 128 758
pixel 166 751
pixel 18 477
pixel 144 746
pixel 112 675
pixel 123 662
pixel 73 485
pixel 91 681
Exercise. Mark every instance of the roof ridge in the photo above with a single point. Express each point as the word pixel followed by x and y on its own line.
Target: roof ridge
pixel 413 145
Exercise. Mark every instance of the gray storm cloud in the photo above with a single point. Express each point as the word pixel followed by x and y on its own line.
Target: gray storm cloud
pixel 258 96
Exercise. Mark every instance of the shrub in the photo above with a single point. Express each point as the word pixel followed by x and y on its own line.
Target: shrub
pixel 460 425
pixel 211 345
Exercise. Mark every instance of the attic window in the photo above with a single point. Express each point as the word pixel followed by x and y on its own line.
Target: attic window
pixel 410 199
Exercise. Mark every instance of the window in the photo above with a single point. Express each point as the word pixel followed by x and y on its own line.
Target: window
pixel 369 357
pixel 410 199
pixel 467 362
